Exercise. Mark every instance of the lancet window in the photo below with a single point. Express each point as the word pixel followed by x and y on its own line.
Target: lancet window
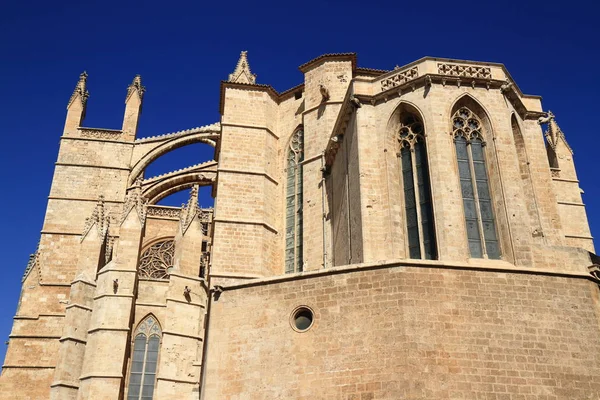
pixel 293 204
pixel 142 375
pixel 156 261
pixel 477 202
pixel 417 190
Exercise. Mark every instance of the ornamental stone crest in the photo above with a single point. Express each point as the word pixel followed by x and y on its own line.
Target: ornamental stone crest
pixel 99 218
pixel 80 91
pixel 242 73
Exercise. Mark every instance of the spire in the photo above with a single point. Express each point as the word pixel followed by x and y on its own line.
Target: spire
pixel 553 133
pixel 80 91
pixel 190 210
pixel 242 73
pixel 135 86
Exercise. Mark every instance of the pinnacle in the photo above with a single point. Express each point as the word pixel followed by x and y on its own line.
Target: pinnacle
pixel 136 86
pixel 242 73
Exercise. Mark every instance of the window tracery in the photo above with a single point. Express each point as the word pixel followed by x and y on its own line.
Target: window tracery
pixel 157 260
pixel 146 345
pixel 293 206
pixel 417 191
pixel 477 202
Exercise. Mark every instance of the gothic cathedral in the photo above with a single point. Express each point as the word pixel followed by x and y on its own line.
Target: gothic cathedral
pixel 409 234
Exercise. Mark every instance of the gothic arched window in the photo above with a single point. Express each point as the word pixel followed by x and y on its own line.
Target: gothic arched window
pixel 157 260
pixel 477 202
pixel 293 204
pixel 417 191
pixel 142 375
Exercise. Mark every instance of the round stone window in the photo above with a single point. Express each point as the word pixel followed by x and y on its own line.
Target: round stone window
pixel 302 319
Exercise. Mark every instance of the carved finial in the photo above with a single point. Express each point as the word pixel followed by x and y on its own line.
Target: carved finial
pixel 80 90
pixel 98 218
pixel 242 73
pixel 135 87
pixel 190 210
pixel 135 199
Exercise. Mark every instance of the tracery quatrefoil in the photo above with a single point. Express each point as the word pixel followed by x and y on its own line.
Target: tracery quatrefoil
pixel 157 260
pixel 410 132
pixel 466 124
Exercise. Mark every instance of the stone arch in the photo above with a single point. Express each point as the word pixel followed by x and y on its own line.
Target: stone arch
pixel 466 100
pixel 157 188
pixel 166 147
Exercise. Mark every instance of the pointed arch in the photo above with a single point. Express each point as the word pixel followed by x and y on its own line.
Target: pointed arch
pixel 144 360
pixel 472 130
pixel 409 174
pixel 293 202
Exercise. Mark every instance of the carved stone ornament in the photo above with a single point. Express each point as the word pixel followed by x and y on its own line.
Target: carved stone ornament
pixel 135 200
pixel 411 131
pixel 149 327
pixel 553 134
pixel 165 212
pixel 462 70
pixel 466 124
pixel 95 133
pixel 242 73
pixel 400 78
pixel 157 260
pixel 136 87
pixel 80 91
pixel 192 210
pixel 32 263
pixel 99 218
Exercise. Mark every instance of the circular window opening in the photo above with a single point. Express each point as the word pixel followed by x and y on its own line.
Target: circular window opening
pixel 302 319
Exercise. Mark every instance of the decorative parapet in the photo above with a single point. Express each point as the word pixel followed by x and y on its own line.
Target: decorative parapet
pixel 399 78
pixel 163 212
pixel 99 133
pixel 212 128
pixel 464 70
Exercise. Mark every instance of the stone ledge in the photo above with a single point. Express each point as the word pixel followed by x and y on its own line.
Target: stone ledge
pixel 489 266
pixel 183 335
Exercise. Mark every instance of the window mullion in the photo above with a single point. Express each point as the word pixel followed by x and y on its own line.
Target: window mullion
pixel 417 201
pixel 143 368
pixel 476 198
pixel 297 215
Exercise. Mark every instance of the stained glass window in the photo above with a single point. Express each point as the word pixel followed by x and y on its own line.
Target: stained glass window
pixel 142 375
pixel 293 204
pixel 417 191
pixel 477 201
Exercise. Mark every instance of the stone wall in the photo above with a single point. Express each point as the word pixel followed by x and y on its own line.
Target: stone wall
pixel 407 332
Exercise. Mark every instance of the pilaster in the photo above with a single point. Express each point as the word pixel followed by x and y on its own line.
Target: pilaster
pixel 183 328
pixel 108 342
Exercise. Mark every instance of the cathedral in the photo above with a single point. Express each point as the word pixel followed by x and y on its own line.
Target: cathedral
pixel 416 233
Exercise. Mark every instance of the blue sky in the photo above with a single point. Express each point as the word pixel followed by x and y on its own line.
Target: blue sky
pixel 183 50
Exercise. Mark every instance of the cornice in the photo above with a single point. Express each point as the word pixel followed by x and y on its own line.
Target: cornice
pixel 328 57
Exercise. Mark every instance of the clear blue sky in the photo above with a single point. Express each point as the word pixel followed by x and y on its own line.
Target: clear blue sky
pixel 183 51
